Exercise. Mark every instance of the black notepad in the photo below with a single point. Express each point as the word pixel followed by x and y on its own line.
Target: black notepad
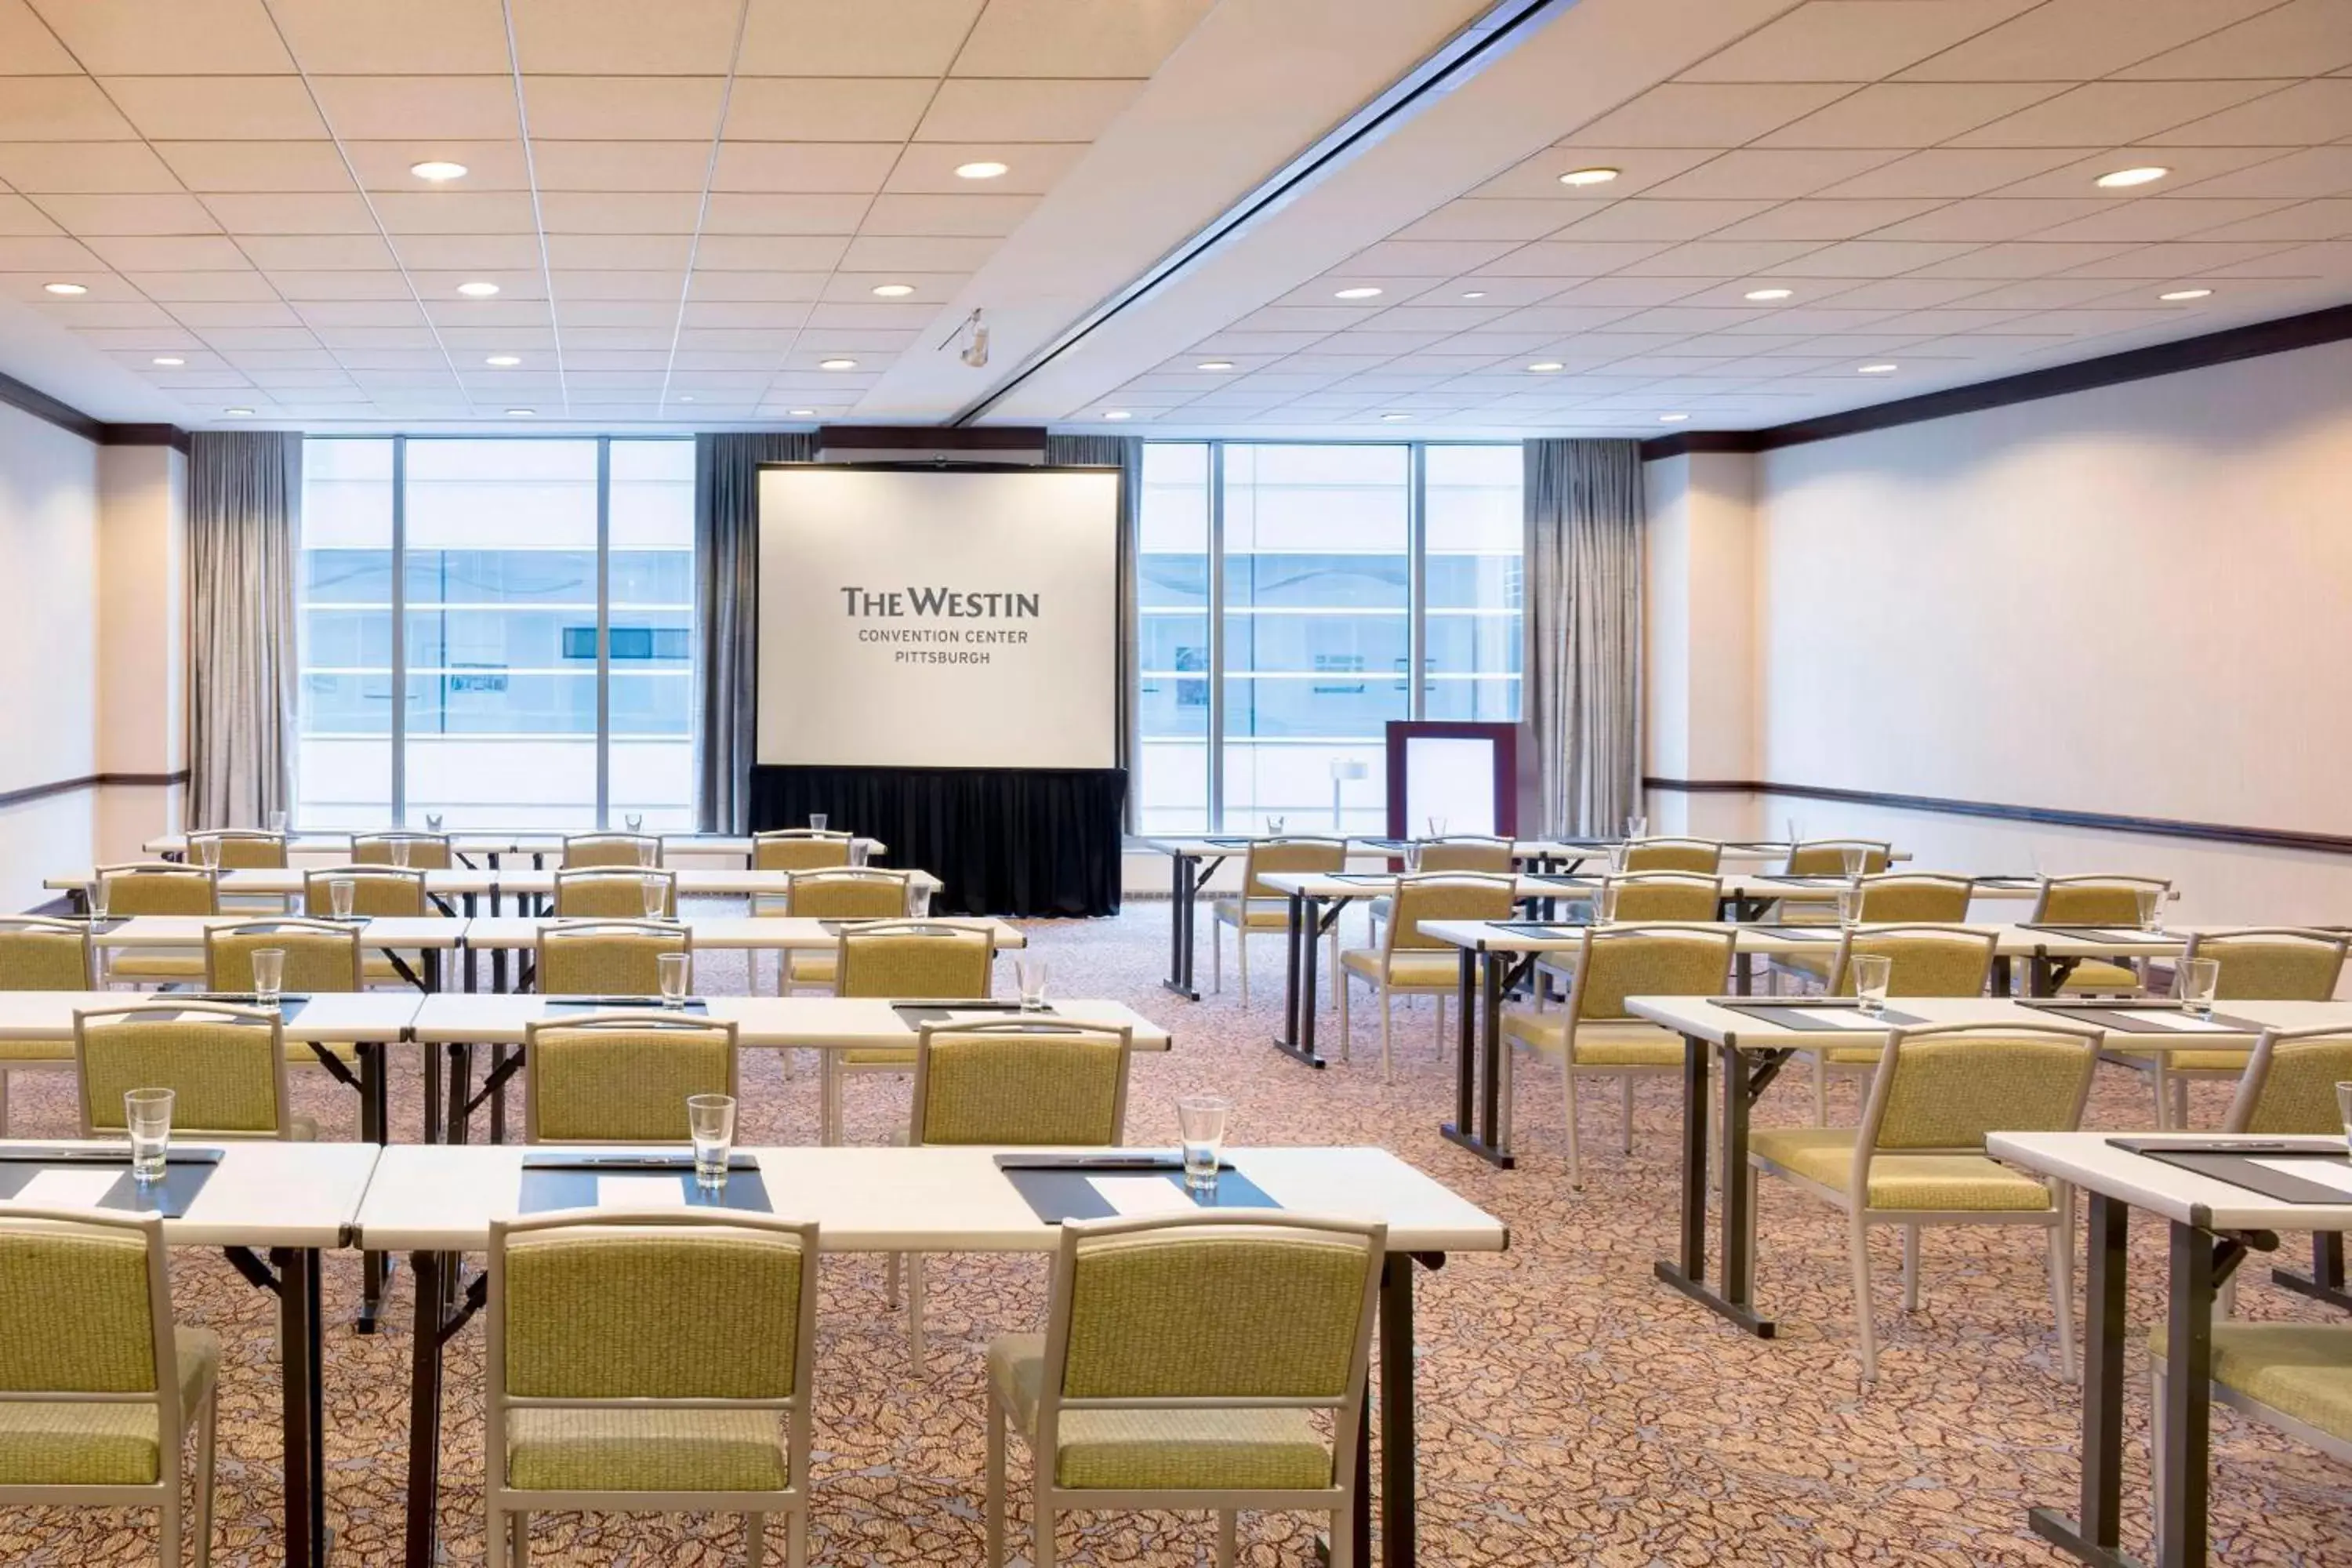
pixel 1067 1193
pixel 185 1172
pixel 569 1182
pixel 1795 1016
pixel 2236 1163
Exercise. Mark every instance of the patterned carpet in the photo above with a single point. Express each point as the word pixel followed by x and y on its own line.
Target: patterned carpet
pixel 1573 1410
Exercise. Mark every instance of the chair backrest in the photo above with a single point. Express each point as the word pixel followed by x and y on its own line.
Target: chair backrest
pixel 1947 1085
pixel 621 1078
pixel 2276 966
pixel 608 957
pixel 2290 1081
pixel 1924 960
pixel 1701 854
pixel 914 958
pixel 390 893
pixel 427 851
pixel 1928 895
pixel 1666 896
pixel 160 887
pixel 581 849
pixel 225 1066
pixel 1619 962
pixel 1466 852
pixel 239 848
pixel 86 1320
pixel 847 893
pixel 696 1311
pixel 2092 901
pixel 613 892
pixel 1293 854
pixel 38 954
pixel 1290 1323
pixel 1019 1083
pixel 1447 896
pixel 1826 856
pixel 320 955
pixel 798 849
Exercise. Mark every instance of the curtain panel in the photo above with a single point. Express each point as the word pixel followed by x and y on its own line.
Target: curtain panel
pixel 245 505
pixel 726 581
pixel 1585 517
pixel 1124 453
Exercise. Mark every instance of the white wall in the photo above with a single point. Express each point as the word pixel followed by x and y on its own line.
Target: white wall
pixel 1698 623
pixel 142 644
pixel 49 657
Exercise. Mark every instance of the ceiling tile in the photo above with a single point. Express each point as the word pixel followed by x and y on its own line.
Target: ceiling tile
pixel 992 109
pixel 256 166
pixel 1988 219
pixel 1666 220
pixel 203 314
pixel 619 165
pixel 967 214
pixel 815 167
pixel 19 217
pixel 182 37
pixel 755 287
pixel 1423 257
pixel 82 168
pixel 1077 38
pixel 114 313
pixel 619 283
pixel 2303 221
pixel 592 37
pixel 441 288
pixel 418 38
pixel 1032 168
pixel 782 253
pixel 1819 219
pixel 2076 40
pixel 1639 170
pixel 338 313
pixel 501 313
pixel 172 287
pixel 2022 258
pixel 1952 173
pixel 2189 165
pixel 2113 112
pixel 1520 218
pixel 490 165
pixel 228 340
pixel 298 285
pixel 488 256
pixel 1851 40
pixel 1907 114
pixel 883 253
pixel 624 108
pixel 1877 258
pixel 216 108
pixel 88 215
pixel 732 212
pixel 58 108
pixel 620 252
pixel 1560 258
pixel 398 107
pixel 458 212
pixel 1721 259
pixel 855 38
pixel 731 315
pixel 316 252
pixel 2306 112
pixel 1780 173
pixel 2314 171
pixel 2170 218
pixel 2302 38
pixel 629 212
pixel 826 108
pixel 2190 258
pixel 313 214
pixel 170 253
pixel 27 47
pixel 1696 114
pixel 644 315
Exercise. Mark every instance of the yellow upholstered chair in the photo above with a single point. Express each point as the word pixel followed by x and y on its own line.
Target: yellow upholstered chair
pixel 378 892
pixel 1594 1037
pixel 424 851
pixel 585 850
pixel 2257 965
pixel 1021 1081
pixel 38 954
pixel 2289 1083
pixel 1460 852
pixel 225 1067
pixel 1704 856
pixel 654 1363
pixel 1918 1157
pixel 238 849
pixel 608 958
pixel 157 888
pixel 2097 899
pixel 2295 1378
pixel 621 1078
pixel 1922 960
pixel 839 893
pixel 99 1390
pixel 799 850
pixel 1666 896
pixel 1826 856
pixel 1410 963
pixel 320 955
pixel 617 893
pixel 1260 911
pixel 910 960
pixel 1183 1363
pixel 1932 898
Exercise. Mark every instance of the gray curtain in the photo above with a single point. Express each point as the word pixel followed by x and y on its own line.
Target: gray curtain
pixel 244 506
pixel 725 571
pixel 1124 453
pixel 1584 502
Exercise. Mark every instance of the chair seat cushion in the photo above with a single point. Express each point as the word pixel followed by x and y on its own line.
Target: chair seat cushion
pixel 156 963
pixel 1163 1450
pixel 1855 1055
pixel 879 1056
pixel 60 1050
pixel 302 1054
pixel 2232 1062
pixel 1265 914
pixel 645 1450
pixel 87 1445
pixel 1909 1181
pixel 2098 974
pixel 814 967
pixel 1812 966
pixel 1600 1044
pixel 2303 1370
pixel 1410 969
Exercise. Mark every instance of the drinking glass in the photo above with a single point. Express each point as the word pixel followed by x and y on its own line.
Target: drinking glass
pixel 1273 825
pixel 1872 971
pixel 400 847
pixel 648 851
pixel 1413 857
pixel 432 822
pixel 1029 974
pixel 208 853
pixel 671 968
pixel 340 892
pixel 1850 905
pixel 858 850
pixel 1857 861
pixel 919 899
pixel 2151 910
pixel 1637 827
pixel 656 898
pixel 2197 979
pixel 268 976
pixel 634 820
pixel 97 897
pixel 710 1120
pixel 147 1113
pixel 817 821
pixel 1437 828
pixel 1616 859
pixel 1604 904
pixel 2343 1104
pixel 1201 1121
pixel 277 823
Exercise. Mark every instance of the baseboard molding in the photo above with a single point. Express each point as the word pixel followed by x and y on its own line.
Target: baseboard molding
pixel 32 792
pixel 2096 821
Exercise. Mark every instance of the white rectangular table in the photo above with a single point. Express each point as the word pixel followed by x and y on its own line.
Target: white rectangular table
pixel 291 1201
pixel 501 934
pixel 2213 1225
pixel 530 888
pixel 494 845
pixel 437 1204
pixel 430 935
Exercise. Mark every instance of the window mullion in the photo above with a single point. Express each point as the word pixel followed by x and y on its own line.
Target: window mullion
pixel 400 630
pixel 603 631
pixel 1216 636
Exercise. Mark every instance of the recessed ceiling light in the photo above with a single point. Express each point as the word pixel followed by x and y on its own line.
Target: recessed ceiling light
pixel 2124 178
pixel 502 361
pixel 1876 370
pixel 478 290
pixel 837 364
pixel 169 360
pixel 893 291
pixel 985 170
pixel 803 413
pixel 1763 295
pixel 2177 295
pixel 1672 418
pixel 1473 293
pixel 1587 177
pixel 1545 367
pixel 522 413
pixel 1395 418
pixel 1214 364
pixel 238 413
pixel 437 170
pixel 1116 414
pixel 65 288
pixel 1363 293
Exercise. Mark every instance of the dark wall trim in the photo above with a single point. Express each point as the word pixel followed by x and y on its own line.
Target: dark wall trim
pixel 2282 336
pixel 31 792
pixel 931 438
pixel 2096 821
pixel 32 400
pixel 170 435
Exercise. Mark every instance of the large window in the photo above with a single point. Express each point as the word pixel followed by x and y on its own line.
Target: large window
pixel 543 590
pixel 1287 594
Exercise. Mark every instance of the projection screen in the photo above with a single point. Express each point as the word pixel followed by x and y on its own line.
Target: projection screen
pixel 931 618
